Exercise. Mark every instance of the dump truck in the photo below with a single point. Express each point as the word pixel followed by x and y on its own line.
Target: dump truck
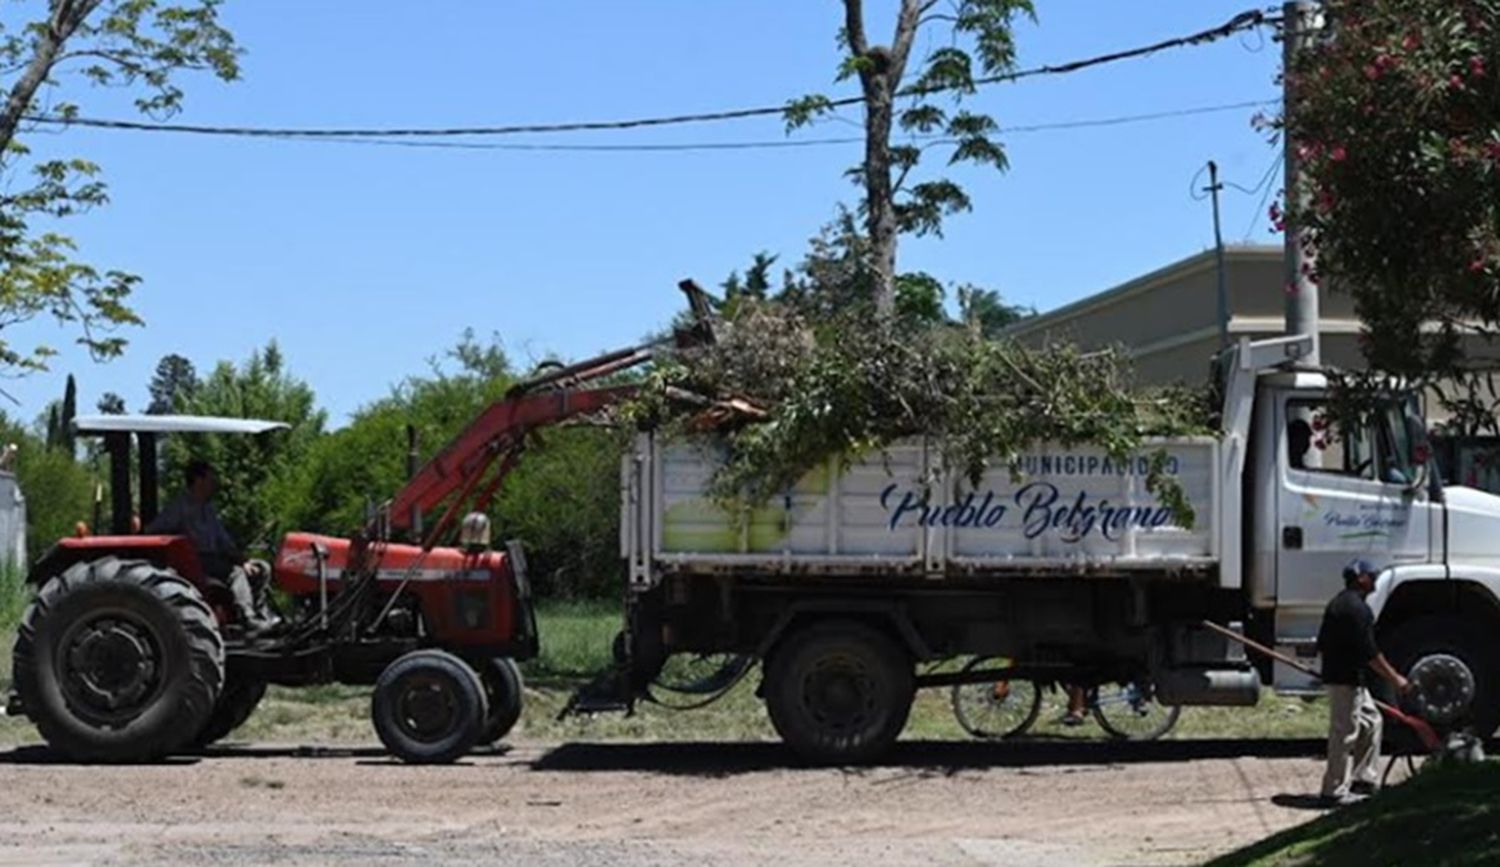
pixel 1064 564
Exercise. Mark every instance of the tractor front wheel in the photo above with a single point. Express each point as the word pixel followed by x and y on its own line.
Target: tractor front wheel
pixel 118 661
pixel 503 690
pixel 429 707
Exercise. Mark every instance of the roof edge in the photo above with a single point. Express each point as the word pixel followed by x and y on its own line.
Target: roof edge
pixel 1130 288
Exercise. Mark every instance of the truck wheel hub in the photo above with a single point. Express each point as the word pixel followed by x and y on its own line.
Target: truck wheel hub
pixel 839 693
pixel 1445 688
pixel 111 664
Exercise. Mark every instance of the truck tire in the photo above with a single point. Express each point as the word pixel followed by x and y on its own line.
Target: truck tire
pixel 118 661
pixel 237 701
pixel 429 707
pixel 1464 640
pixel 839 692
pixel 503 691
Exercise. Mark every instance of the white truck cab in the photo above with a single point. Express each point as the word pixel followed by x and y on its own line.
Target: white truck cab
pixel 1323 490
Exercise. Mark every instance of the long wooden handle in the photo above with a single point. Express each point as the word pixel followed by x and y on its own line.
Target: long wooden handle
pixel 1257 646
pixel 1425 732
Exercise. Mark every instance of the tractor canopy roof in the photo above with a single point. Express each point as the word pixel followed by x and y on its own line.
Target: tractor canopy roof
pixel 163 424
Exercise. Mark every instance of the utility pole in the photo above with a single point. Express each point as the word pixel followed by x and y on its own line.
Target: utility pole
pixel 1299 24
pixel 1214 188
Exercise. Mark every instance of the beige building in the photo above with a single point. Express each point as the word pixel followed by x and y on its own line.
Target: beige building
pixel 1168 320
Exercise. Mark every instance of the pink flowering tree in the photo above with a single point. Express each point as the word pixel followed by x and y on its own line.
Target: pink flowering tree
pixel 1397 122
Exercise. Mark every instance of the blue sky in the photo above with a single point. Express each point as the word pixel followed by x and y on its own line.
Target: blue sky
pixel 365 261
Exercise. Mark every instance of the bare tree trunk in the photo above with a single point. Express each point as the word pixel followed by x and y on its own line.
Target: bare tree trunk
pixel 880 205
pixel 66 16
pixel 880 78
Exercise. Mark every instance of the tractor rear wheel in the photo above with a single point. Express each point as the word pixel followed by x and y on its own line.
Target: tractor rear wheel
pixel 118 661
pixel 503 690
pixel 429 707
pixel 236 702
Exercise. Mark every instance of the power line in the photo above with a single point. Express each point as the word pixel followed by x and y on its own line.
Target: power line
pixel 1245 21
pixel 779 144
pixel 1277 161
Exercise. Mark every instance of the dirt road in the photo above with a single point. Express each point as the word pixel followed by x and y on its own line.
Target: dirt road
pixel 631 804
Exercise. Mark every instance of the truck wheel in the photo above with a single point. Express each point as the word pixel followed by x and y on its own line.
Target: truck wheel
pixel 236 702
pixel 839 692
pixel 502 690
pixel 118 661
pixel 1426 639
pixel 429 707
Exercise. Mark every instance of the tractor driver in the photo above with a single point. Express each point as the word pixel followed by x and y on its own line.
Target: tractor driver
pixel 192 514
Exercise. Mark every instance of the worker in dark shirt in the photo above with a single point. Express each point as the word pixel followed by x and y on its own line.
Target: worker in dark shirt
pixel 1350 655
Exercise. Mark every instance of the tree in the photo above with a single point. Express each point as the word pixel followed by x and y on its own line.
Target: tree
pixel 111 404
pixel 756 283
pixel 59 491
pixel 1394 123
pixel 53 427
pixel 67 440
pixel 254 472
pixel 141 45
pixel 985 311
pixel 174 382
pixel 894 202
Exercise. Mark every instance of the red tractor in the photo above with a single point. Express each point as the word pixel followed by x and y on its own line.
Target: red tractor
pixel 130 652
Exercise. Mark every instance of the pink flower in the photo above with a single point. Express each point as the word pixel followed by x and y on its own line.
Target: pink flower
pixel 1456 82
pixel 1372 72
pixel 1338 154
pixel 1476 67
pixel 1411 42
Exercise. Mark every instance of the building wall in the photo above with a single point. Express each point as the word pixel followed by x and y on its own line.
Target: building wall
pixel 1168 320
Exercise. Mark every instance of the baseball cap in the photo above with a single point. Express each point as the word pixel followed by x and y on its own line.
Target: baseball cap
pixel 1359 567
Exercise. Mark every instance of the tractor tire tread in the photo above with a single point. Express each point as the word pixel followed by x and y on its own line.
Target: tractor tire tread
pixel 198 689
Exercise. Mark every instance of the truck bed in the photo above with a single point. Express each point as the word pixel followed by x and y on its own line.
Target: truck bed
pixel 899 512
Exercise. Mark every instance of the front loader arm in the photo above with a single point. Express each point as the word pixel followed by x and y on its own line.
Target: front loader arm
pixel 499 430
pixel 499 433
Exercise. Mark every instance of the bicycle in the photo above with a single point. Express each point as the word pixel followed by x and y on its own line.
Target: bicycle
pixel 1005 709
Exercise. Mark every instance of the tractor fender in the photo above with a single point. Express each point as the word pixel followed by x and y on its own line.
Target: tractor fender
pixel 168 552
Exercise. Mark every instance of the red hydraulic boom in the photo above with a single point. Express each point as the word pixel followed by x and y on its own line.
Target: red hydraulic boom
pixel 495 439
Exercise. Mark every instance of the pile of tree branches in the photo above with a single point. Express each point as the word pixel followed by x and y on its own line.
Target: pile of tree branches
pixel 852 384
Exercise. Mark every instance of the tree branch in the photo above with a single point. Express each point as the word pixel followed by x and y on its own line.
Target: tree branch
pixel 906 34
pixel 854 27
pixel 66 18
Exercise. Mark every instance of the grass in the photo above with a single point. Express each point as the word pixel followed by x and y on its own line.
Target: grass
pixel 576 641
pixel 1447 816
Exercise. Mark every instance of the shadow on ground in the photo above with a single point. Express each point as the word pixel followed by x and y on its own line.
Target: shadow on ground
pixel 727 759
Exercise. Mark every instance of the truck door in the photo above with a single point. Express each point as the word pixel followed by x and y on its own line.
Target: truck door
pixel 1344 492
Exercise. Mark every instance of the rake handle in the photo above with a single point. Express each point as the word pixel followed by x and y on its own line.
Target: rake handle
pixel 1302 667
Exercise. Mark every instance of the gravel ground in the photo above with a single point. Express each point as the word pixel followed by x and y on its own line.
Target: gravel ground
pixel 675 804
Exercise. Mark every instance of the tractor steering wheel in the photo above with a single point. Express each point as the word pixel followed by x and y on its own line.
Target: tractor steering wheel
pixel 265 542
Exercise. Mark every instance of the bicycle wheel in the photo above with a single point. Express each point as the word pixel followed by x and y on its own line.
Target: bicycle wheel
pixel 1129 712
pixel 997 709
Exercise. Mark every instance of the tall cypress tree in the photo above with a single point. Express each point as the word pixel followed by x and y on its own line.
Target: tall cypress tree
pixel 65 436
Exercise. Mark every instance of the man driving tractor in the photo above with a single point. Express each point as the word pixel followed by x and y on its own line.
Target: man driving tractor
pixel 192 514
